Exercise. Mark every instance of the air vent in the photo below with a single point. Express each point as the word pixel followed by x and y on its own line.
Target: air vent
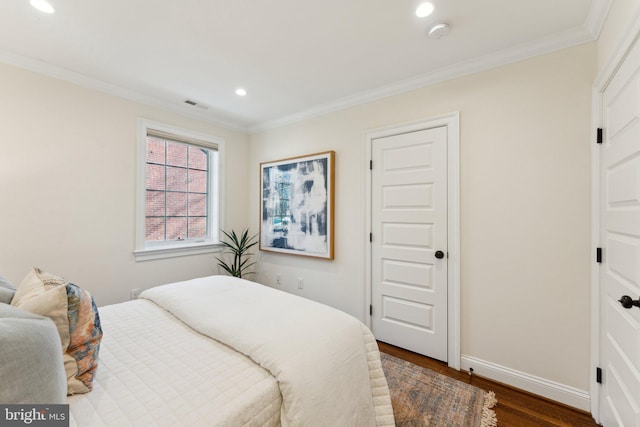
pixel 195 104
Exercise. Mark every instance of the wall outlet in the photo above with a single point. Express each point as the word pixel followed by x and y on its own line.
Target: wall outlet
pixel 278 280
pixel 300 283
pixel 135 293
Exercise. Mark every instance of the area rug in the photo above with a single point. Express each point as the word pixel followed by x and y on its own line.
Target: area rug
pixel 422 397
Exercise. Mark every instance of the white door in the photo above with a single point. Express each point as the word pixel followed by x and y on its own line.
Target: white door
pixel 409 241
pixel 620 241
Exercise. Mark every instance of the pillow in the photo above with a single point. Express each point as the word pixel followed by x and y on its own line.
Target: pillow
pixel 6 290
pixel 76 317
pixel 31 364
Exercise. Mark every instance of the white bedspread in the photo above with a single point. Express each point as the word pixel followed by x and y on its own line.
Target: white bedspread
pixel 156 371
pixel 325 362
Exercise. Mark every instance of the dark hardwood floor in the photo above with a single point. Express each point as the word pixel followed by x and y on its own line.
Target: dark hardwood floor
pixel 515 407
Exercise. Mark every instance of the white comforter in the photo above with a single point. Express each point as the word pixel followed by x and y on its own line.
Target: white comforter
pixel 326 362
pixel 156 371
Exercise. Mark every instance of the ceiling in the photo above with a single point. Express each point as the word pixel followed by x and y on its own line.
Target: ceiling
pixel 295 58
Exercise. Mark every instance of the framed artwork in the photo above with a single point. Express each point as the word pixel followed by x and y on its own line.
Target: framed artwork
pixel 296 205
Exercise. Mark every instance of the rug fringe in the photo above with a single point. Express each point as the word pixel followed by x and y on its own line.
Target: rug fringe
pixel 489 418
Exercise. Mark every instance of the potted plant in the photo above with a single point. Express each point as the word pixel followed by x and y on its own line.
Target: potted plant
pixel 238 247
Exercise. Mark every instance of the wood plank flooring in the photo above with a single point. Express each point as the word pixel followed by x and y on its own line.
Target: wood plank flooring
pixel 515 407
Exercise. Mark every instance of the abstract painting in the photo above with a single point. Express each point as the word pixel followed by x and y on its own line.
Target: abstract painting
pixel 296 215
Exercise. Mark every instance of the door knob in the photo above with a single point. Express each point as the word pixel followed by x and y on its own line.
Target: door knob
pixel 628 302
pixel 439 254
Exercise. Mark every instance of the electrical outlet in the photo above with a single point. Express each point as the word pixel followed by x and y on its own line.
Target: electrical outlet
pixel 135 293
pixel 300 283
pixel 278 280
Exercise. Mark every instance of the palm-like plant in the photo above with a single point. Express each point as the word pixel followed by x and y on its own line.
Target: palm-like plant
pixel 238 247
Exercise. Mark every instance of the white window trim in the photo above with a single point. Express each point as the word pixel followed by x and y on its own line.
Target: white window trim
pixel 144 250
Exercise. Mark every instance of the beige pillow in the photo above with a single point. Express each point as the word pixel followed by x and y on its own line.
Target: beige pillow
pixel 76 317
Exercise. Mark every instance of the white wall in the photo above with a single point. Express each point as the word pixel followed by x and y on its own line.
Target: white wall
pixel 525 159
pixel 67 163
pixel 67 186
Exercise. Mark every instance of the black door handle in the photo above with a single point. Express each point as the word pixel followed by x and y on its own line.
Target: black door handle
pixel 439 254
pixel 628 302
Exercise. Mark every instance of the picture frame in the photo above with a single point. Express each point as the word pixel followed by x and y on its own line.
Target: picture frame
pixel 297 205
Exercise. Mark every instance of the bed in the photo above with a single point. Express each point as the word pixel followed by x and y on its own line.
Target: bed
pixel 221 351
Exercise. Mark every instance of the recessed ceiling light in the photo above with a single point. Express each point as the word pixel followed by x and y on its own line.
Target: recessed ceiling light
pixel 241 92
pixel 425 9
pixel 42 6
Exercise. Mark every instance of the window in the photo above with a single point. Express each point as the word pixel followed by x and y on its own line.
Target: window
pixel 178 192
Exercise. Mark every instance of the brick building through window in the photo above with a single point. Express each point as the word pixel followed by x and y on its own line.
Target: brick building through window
pixel 177 177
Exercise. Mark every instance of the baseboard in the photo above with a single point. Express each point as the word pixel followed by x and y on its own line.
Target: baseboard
pixel 567 395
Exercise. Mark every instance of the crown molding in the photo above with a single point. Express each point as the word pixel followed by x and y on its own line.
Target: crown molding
pixel 588 32
pixel 565 39
pixel 50 70
pixel 597 16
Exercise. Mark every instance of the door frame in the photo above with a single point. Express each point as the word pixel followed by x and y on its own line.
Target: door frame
pixel 606 74
pixel 452 122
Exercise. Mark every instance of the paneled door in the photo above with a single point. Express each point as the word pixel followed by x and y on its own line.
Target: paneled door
pixel 409 241
pixel 620 241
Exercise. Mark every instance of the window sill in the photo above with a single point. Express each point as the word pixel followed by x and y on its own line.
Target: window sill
pixel 148 254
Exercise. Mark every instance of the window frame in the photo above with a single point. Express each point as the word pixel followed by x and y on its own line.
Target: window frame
pixel 148 250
